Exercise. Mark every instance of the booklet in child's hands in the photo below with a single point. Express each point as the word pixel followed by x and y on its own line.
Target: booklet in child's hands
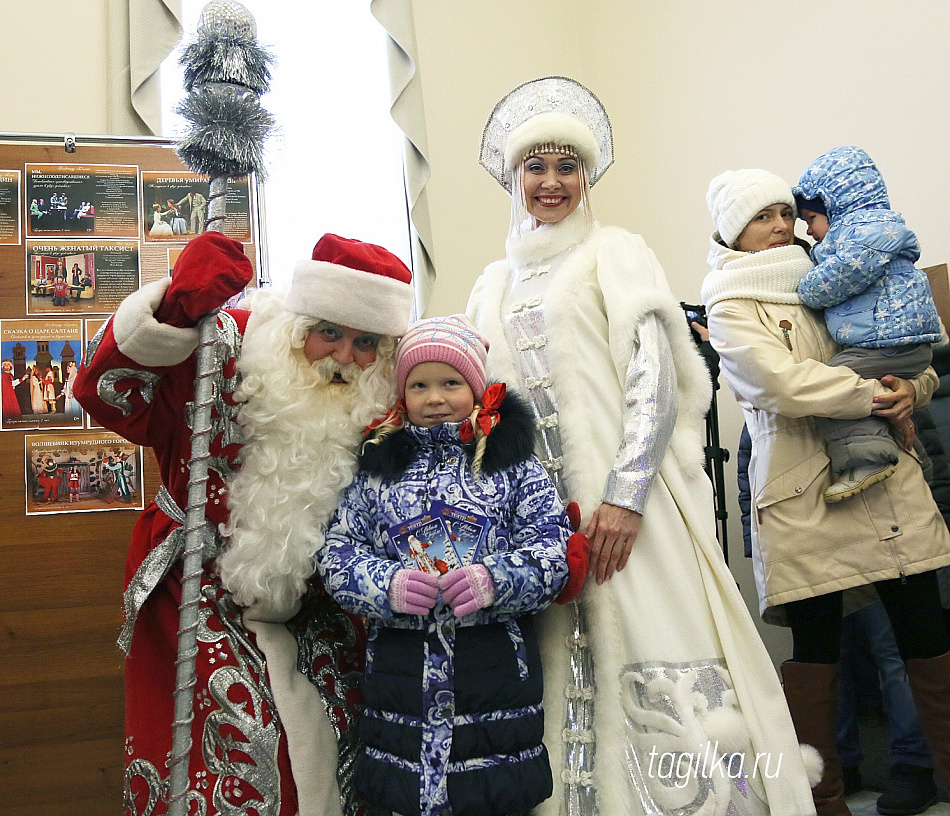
pixel 422 544
pixel 466 531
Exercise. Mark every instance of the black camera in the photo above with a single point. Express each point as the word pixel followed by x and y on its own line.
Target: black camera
pixel 694 314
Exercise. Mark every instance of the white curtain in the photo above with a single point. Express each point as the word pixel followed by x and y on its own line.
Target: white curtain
pixel 141 34
pixel 396 18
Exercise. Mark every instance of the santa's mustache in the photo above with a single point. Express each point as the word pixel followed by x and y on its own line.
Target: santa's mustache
pixel 330 371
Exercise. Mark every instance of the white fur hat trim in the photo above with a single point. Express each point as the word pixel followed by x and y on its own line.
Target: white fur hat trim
pixel 734 198
pixel 350 297
pixel 559 128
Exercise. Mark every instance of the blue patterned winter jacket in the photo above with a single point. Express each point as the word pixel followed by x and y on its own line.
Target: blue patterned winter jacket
pixel 864 276
pixel 453 721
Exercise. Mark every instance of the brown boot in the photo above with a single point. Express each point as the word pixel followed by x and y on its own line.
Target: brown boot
pixel 930 683
pixel 811 690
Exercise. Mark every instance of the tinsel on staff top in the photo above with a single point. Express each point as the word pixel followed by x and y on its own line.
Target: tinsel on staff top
pixel 225 49
pixel 225 72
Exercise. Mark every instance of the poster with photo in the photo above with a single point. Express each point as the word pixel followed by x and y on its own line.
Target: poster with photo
pixel 10 234
pixel 40 359
pixel 99 200
pixel 92 328
pixel 175 207
pixel 80 277
pixel 81 473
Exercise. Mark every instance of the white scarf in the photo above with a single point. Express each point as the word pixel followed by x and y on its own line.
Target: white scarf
pixel 771 276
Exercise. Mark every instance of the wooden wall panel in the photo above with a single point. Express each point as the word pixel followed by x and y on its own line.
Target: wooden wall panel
pixel 61 578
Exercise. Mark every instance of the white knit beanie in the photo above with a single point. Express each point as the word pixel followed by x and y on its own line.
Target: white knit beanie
pixel 735 197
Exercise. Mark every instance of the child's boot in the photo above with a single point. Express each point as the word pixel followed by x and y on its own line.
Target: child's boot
pixel 854 480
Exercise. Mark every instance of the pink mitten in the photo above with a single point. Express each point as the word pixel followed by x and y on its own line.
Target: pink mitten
pixel 210 269
pixel 468 589
pixel 413 592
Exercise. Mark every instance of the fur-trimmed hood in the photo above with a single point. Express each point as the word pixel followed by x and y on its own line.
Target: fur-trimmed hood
pixel 510 442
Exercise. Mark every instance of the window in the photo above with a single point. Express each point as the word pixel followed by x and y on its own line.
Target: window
pixel 334 163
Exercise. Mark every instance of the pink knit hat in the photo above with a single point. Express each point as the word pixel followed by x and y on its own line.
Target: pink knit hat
pixel 451 340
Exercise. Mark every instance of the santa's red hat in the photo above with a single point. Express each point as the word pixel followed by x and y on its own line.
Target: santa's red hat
pixel 354 284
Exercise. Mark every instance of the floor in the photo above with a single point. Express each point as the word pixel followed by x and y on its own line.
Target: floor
pixel 864 804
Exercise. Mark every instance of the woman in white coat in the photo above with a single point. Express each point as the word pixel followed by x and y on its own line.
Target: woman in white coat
pixel 657 671
pixel 807 553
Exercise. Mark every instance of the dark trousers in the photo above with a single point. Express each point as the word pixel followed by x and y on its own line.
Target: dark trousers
pixel 913 606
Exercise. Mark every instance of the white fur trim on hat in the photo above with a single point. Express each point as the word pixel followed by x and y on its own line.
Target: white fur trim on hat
pixel 559 128
pixel 734 198
pixel 141 338
pixel 350 297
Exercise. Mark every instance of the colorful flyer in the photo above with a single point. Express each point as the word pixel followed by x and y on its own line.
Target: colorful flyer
pixel 80 277
pixel 422 544
pixel 466 531
pixel 81 473
pixel 175 207
pixel 40 361
pixel 10 233
pixel 98 200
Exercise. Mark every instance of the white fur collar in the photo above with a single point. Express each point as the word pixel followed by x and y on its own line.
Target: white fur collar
pixel 547 240
pixel 772 275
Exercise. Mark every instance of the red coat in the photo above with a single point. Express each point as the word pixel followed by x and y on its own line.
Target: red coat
pixel 10 405
pixel 240 748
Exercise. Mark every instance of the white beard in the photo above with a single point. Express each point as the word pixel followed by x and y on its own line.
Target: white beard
pixel 302 437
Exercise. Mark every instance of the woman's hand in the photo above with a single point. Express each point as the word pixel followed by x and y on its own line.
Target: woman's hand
pixel 612 532
pixel 898 405
pixel 904 433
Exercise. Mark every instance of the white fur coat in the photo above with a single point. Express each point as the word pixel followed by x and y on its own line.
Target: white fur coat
pixel 675 602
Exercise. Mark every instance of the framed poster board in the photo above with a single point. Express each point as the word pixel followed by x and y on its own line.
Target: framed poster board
pixel 78 232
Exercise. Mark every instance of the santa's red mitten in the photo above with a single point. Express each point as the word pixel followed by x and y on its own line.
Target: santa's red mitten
pixel 210 269
pixel 578 557
pixel 574 515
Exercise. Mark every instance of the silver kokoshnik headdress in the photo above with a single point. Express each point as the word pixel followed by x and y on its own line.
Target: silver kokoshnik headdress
pixel 550 112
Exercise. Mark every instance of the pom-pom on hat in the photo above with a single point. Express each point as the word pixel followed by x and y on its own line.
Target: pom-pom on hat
pixel 451 340
pixel 734 198
pixel 354 284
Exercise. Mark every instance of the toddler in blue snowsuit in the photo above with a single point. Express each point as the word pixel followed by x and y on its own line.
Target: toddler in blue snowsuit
pixel 877 305
pixel 451 536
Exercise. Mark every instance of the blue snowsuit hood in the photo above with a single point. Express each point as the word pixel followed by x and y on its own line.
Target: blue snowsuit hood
pixel 864 276
pixel 845 179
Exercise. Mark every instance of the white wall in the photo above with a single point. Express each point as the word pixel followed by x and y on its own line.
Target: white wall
pixel 53 58
pixel 692 88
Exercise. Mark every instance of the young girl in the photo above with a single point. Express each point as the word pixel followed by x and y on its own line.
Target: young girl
pixel 453 685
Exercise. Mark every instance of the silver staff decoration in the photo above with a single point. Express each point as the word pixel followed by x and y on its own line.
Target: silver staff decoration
pixel 226 71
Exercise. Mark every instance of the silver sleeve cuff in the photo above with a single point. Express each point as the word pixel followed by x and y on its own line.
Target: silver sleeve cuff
pixel 649 415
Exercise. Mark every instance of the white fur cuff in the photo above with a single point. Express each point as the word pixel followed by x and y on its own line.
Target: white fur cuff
pixel 141 338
